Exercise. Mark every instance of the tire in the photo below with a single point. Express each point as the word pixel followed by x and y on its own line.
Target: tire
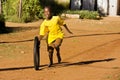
pixel 36 54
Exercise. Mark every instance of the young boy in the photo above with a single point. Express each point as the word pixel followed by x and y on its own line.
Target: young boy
pixel 51 27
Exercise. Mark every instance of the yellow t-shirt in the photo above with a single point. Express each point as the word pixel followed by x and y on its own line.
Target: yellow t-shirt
pixel 52 27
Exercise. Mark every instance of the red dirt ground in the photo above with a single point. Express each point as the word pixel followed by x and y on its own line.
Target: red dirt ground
pixel 91 53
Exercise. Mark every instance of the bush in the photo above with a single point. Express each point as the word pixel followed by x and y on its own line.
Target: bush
pixel 31 10
pixel 89 14
pixel 85 14
pixel 2 23
pixel 10 9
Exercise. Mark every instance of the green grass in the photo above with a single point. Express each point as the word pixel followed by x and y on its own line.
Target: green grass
pixel 84 14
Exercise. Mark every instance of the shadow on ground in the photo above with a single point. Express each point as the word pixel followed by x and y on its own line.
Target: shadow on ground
pixel 29 28
pixel 99 34
pixel 63 64
pixel 18 29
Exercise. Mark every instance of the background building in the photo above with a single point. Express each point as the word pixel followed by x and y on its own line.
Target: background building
pixel 105 7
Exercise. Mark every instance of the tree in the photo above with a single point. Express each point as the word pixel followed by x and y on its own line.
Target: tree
pixel 0 6
pixel 20 8
pixel 2 23
pixel 2 19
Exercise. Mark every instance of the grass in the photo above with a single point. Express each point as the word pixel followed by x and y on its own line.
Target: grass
pixel 84 14
pixel 11 50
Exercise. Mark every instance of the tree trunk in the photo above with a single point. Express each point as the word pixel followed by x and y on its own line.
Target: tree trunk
pixel 0 6
pixel 20 8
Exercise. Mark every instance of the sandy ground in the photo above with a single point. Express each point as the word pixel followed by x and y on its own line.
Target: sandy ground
pixel 91 53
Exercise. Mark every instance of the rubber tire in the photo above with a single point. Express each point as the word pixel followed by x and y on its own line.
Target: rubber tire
pixel 36 54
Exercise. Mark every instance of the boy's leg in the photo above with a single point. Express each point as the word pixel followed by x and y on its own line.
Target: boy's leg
pixel 50 50
pixel 58 54
pixel 57 45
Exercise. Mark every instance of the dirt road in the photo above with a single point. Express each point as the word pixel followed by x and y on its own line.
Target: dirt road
pixel 91 53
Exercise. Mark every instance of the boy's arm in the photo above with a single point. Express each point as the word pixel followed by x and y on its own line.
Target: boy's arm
pixel 41 31
pixel 61 23
pixel 67 29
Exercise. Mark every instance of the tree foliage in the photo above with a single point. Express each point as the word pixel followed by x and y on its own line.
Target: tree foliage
pixel 31 10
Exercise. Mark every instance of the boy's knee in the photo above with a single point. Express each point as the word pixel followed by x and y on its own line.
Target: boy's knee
pixel 56 45
pixel 50 49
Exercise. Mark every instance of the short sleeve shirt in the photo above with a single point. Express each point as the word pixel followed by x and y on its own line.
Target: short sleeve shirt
pixel 52 27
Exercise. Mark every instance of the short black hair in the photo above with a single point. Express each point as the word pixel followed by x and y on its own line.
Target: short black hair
pixel 49 7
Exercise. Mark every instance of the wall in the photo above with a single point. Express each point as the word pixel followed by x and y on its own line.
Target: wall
pixel 102 7
pixel 113 7
pixel 75 4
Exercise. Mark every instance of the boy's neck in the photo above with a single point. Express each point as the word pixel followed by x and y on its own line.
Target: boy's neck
pixel 49 18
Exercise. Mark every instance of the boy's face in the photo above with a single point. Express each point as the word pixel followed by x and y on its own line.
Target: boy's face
pixel 47 13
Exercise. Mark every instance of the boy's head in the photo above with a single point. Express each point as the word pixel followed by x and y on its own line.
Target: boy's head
pixel 47 12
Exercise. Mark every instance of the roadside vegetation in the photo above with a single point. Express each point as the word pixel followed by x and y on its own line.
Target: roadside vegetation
pixel 24 11
pixel 32 10
pixel 84 14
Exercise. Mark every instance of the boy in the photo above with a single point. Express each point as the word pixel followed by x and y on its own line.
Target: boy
pixel 51 27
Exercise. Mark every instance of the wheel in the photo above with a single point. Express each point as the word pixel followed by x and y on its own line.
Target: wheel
pixel 36 53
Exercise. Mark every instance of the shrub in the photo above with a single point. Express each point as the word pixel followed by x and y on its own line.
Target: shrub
pixel 31 10
pixel 84 14
pixel 10 9
pixel 89 14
